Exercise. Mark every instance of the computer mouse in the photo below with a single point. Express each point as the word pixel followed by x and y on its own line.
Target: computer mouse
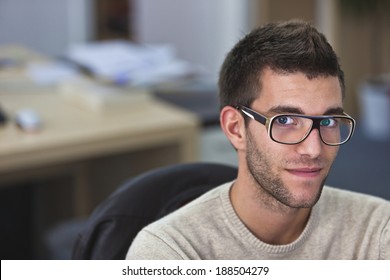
pixel 28 120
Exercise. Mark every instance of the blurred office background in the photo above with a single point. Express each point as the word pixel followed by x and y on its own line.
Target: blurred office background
pixel 201 32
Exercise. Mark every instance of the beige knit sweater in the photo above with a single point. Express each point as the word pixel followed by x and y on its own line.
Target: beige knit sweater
pixel 342 225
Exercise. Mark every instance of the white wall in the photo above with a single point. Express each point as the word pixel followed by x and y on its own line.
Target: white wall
pixel 47 26
pixel 202 31
pixel 327 20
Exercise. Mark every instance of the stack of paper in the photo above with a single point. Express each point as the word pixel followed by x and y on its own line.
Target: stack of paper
pixel 122 62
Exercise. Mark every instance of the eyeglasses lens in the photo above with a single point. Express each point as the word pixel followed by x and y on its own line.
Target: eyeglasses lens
pixel 291 129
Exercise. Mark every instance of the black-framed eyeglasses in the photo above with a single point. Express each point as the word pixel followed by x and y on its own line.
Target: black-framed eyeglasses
pixel 292 129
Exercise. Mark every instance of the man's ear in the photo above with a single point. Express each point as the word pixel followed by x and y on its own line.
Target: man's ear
pixel 233 125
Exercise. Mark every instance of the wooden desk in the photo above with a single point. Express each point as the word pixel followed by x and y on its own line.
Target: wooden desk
pixel 81 155
pixel 93 148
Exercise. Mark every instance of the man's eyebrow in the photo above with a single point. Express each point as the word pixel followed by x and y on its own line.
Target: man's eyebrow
pixel 334 111
pixel 296 110
pixel 285 110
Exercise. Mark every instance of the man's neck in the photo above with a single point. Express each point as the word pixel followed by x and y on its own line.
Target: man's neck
pixel 269 220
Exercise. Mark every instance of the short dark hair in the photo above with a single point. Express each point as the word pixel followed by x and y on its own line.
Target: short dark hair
pixel 284 47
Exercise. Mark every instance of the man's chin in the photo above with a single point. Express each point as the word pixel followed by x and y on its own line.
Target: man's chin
pixel 307 198
pixel 304 194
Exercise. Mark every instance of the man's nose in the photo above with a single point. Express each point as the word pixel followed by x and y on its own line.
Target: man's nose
pixel 312 145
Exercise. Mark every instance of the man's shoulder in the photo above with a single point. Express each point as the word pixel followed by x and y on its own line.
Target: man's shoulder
pixel 196 221
pixel 354 225
pixel 352 196
pixel 345 200
pixel 199 210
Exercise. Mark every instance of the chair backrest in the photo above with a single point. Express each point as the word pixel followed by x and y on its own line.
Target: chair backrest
pixel 112 226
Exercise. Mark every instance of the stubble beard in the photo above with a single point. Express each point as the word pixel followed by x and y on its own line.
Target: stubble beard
pixel 271 190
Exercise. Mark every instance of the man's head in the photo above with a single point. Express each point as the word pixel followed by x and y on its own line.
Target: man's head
pixel 284 47
pixel 281 90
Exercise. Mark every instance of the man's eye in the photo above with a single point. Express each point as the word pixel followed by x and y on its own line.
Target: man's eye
pixel 284 120
pixel 328 122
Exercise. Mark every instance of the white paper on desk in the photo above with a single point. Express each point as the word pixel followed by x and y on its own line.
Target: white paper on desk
pixel 124 62
pixel 50 73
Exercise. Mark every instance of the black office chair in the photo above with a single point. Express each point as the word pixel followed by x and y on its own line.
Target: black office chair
pixel 113 225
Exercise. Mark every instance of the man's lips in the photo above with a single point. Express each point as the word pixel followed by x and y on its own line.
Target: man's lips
pixel 305 171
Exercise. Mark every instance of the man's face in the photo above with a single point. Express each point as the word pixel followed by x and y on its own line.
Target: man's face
pixel 292 174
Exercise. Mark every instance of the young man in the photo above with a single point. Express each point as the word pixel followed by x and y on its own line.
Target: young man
pixel 281 92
